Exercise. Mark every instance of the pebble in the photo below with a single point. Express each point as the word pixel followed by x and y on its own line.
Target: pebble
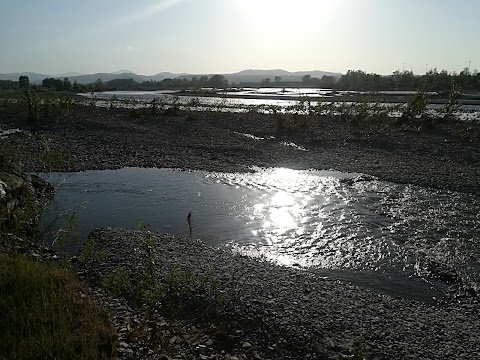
pixel 340 313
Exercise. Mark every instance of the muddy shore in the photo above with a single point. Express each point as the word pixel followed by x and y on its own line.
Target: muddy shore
pixel 317 318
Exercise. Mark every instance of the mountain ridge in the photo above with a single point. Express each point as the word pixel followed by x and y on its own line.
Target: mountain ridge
pixel 246 75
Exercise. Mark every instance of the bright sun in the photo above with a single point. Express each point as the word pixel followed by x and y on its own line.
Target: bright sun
pixel 284 10
pixel 283 16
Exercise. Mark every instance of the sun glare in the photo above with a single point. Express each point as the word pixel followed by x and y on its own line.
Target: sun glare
pixel 283 12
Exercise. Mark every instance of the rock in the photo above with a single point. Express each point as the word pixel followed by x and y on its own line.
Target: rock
pixel 246 345
pixel 22 197
pixel 209 342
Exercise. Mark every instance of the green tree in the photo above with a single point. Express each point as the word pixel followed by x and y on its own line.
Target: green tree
pixel 278 79
pixel 24 81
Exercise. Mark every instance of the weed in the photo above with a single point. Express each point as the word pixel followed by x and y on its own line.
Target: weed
pixel 156 105
pixel 65 238
pixel 192 104
pixel 117 281
pixel 52 156
pixel 323 108
pixel 33 104
pixel 417 105
pixel 356 353
pixel 48 314
pixel 92 100
pixel 90 253
pixel 67 235
pixel 65 103
pixel 173 107
pixel 452 104
pixel 113 102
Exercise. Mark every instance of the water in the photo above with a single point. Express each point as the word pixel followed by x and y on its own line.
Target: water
pixel 262 99
pixel 356 228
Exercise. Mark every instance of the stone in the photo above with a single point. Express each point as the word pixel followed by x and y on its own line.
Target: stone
pixel 209 342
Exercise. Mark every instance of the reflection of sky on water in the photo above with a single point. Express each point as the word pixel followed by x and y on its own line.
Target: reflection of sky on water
pixel 314 218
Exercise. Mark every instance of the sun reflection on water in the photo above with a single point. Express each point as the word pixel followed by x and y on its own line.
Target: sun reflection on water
pixel 305 217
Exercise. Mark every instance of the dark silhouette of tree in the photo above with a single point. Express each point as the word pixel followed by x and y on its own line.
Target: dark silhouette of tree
pixel 218 81
pixel 306 79
pixel 53 84
pixel 67 84
pixel 8 85
pixel 265 81
pixel 98 85
pixel 124 84
pixel 327 81
pixel 24 82
pixel 356 80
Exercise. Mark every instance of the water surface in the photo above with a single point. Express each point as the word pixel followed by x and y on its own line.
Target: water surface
pixel 371 232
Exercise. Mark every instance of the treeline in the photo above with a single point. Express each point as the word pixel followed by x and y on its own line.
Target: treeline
pixel 407 80
pixel 357 80
pixel 215 81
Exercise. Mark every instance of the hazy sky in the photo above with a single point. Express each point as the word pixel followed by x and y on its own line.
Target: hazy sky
pixel 223 36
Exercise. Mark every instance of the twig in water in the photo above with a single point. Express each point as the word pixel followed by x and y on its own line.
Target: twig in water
pixel 189 219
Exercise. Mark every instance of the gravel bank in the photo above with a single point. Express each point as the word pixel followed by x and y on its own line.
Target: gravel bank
pixel 282 313
pixel 445 157
pixel 279 313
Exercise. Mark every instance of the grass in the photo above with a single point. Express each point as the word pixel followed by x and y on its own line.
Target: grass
pixel 45 313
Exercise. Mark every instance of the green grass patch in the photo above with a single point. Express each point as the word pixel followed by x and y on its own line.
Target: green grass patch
pixel 45 313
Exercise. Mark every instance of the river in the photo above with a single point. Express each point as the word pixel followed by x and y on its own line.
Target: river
pixel 395 238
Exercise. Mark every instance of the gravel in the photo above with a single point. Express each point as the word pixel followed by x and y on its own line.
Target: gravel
pixel 285 313
pixel 445 157
pixel 277 312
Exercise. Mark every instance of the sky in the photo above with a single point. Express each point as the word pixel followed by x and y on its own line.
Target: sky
pixel 226 36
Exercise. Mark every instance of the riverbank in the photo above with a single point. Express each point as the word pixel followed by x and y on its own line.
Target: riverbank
pixel 445 156
pixel 263 311
pixel 277 312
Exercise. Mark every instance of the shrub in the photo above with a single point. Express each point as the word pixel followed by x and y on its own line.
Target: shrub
pixel 417 105
pixel 452 105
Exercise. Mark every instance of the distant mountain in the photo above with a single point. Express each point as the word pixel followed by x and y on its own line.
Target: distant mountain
pixel 67 74
pixel 250 75
pixel 124 72
pixel 166 75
